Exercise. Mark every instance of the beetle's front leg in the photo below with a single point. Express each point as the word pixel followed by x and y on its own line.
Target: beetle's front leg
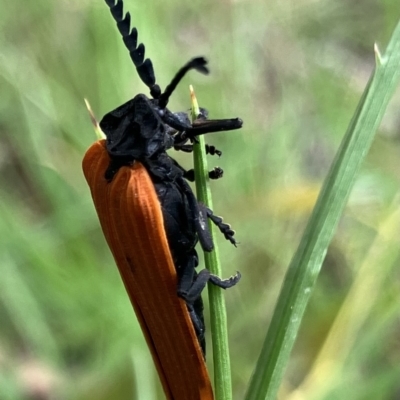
pixel 188 148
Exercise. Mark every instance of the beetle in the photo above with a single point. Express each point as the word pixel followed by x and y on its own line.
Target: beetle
pixel 176 124
pixel 152 220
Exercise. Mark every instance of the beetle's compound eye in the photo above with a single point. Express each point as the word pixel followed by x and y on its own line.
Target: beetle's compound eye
pixel 161 112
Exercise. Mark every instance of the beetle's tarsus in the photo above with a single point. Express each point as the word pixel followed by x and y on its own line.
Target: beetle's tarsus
pixel 216 173
pixel 222 226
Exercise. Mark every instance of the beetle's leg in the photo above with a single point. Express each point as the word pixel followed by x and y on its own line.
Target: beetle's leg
pixel 194 301
pixel 215 173
pixel 196 315
pixel 182 130
pixel 187 174
pixel 212 150
pixel 198 325
pixel 190 287
pixel 201 127
pixel 204 125
pixel 225 283
pixel 225 229
pixel 190 294
pixel 186 274
pixel 187 278
pixel 188 148
pixel 199 216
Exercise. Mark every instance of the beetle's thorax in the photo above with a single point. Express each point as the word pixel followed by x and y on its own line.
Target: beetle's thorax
pixel 162 167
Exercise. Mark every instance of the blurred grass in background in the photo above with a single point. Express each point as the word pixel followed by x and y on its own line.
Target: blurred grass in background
pixel 293 71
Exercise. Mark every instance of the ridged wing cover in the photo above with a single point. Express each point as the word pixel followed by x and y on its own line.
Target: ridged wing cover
pixel 131 219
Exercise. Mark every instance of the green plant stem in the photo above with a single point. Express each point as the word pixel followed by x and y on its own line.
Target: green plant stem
pixel 222 371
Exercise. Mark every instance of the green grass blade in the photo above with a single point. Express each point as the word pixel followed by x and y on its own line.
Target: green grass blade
pixel 307 261
pixel 368 284
pixel 219 330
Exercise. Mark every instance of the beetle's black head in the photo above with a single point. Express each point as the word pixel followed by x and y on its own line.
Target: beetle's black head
pixel 135 130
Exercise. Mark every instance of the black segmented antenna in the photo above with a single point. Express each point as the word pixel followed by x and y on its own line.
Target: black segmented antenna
pixel 199 64
pixel 143 66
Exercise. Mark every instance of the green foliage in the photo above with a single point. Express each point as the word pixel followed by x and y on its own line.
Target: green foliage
pixel 294 72
pixel 307 261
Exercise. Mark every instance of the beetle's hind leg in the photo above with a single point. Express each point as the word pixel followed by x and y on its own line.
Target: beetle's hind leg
pixel 190 287
pixel 225 283
pixel 191 293
pixel 196 316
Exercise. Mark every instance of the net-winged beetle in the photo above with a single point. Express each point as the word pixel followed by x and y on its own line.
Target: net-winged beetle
pixel 151 218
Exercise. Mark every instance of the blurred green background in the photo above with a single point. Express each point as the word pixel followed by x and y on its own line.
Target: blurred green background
pixel 293 71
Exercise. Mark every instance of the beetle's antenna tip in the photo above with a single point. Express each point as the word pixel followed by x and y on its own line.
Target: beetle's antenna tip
pixel 198 63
